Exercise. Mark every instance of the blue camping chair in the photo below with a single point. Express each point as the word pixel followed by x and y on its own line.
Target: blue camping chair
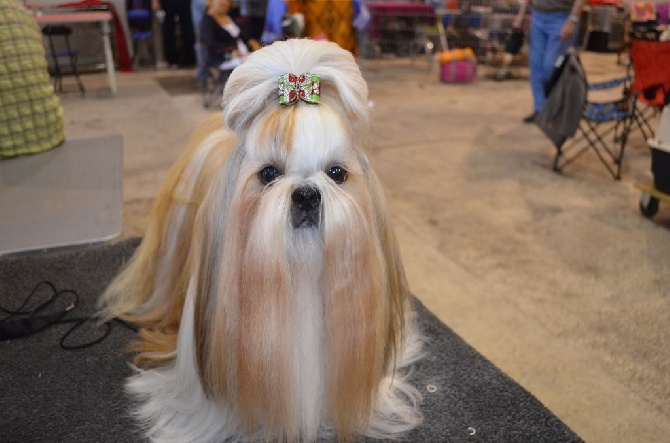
pixel 603 128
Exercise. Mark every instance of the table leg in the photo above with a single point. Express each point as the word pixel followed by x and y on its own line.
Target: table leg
pixel 442 32
pixel 109 58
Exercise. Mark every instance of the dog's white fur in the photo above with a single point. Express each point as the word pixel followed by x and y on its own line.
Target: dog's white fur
pixel 252 329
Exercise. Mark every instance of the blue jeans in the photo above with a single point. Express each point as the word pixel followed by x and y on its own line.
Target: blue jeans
pixel 545 48
pixel 198 9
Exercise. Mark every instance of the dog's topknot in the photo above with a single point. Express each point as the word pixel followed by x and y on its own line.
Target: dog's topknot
pixel 251 89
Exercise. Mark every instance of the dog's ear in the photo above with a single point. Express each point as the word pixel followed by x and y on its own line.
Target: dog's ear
pixel 242 315
pixel 365 292
pixel 150 290
pixel 398 290
pixel 252 87
pixel 214 282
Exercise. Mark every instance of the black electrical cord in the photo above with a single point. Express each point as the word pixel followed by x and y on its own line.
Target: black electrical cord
pixel 21 323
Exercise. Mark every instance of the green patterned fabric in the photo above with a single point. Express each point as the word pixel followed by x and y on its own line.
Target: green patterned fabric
pixel 31 116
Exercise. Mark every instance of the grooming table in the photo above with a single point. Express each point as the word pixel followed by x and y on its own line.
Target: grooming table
pixel 52 395
pixel 69 195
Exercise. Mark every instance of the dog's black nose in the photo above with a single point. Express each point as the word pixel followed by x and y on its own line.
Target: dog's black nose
pixel 306 198
pixel 305 209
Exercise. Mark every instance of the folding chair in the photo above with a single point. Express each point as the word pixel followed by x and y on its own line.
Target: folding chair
pixel 650 61
pixel 599 121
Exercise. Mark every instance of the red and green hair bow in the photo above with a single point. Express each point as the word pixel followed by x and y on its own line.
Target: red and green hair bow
pixel 305 87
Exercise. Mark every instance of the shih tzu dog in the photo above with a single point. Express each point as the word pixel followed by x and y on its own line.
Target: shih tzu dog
pixel 269 291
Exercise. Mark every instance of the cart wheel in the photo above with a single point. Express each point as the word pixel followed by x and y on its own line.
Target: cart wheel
pixel 648 205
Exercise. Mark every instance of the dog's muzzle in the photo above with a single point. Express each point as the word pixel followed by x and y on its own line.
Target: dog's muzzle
pixel 306 207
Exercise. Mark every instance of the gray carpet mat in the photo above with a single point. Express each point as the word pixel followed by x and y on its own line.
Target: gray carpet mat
pixel 49 394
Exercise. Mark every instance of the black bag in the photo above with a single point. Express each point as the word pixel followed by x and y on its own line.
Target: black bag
pixel 515 41
pixel 558 70
pixel 560 116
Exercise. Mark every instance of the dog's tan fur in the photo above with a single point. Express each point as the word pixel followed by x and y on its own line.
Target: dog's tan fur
pixel 133 287
pixel 220 255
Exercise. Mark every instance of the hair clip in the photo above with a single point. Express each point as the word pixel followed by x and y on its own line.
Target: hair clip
pixel 305 87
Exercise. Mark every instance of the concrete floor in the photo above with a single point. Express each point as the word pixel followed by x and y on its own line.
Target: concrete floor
pixel 558 280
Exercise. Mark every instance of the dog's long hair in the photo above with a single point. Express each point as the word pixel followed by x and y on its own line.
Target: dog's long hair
pixel 253 328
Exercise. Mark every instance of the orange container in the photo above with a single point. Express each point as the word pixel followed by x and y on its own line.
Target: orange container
pixel 457 54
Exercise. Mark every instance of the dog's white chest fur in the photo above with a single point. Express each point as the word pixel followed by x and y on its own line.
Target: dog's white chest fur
pixel 309 351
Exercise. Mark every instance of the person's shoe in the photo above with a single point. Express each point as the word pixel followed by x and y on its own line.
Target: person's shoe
pixel 530 118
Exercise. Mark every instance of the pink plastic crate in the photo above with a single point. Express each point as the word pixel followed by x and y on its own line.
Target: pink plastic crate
pixel 458 71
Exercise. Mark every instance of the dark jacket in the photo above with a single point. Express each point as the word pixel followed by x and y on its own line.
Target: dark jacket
pixel 217 40
pixel 561 113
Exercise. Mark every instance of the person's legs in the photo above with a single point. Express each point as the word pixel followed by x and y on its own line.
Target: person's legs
pixel 553 49
pixel 198 9
pixel 538 40
pixel 187 32
pixel 169 36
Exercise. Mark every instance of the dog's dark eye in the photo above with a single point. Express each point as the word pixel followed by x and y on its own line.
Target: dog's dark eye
pixel 268 174
pixel 338 174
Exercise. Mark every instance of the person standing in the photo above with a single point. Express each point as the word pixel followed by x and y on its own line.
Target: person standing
pixel 174 9
pixel 553 27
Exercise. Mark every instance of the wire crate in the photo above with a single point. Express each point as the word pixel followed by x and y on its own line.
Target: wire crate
pixel 482 25
pixel 399 29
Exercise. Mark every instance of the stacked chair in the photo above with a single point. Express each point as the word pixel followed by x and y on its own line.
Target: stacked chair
pixel 650 59
pixel 140 21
